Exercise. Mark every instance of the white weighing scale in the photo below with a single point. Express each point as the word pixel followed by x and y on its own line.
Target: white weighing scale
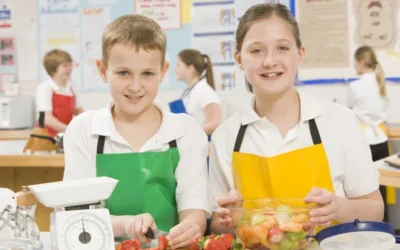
pixel 73 224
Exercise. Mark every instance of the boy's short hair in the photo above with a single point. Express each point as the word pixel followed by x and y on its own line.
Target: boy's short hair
pixel 55 58
pixel 137 30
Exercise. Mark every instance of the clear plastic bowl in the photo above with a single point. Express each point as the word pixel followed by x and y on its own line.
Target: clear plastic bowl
pixel 274 224
pixel 20 244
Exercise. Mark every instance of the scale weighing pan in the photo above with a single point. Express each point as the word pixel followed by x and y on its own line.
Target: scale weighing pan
pixel 368 235
pixel 74 192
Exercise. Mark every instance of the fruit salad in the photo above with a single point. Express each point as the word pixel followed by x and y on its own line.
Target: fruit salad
pixel 281 228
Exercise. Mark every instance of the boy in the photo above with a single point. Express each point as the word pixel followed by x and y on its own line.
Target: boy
pixel 158 157
pixel 55 96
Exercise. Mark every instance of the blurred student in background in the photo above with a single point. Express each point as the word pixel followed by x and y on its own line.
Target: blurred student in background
pixel 200 99
pixel 368 98
pixel 55 97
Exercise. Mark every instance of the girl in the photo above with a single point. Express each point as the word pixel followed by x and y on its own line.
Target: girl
pixel 199 99
pixel 284 144
pixel 367 97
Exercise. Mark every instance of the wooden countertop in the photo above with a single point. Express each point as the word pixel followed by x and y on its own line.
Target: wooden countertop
pixel 394 132
pixel 50 161
pixel 15 134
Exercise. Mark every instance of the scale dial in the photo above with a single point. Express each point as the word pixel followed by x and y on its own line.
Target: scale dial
pixel 85 231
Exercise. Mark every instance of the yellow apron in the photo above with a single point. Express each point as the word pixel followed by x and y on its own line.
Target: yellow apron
pixel 289 175
pixel 390 191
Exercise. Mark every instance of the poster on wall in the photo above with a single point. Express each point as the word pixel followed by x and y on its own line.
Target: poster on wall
pixel 324 31
pixel 213 28
pixel 94 20
pixel 214 17
pixel 8 64
pixel 225 79
pixel 167 13
pixel 6 15
pixel 219 48
pixel 59 28
pixel 376 23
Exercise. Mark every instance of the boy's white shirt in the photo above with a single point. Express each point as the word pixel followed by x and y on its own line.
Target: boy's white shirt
pixel 80 144
pixel 44 94
pixel 349 157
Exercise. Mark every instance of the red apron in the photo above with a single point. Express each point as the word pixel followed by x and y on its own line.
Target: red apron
pixel 63 109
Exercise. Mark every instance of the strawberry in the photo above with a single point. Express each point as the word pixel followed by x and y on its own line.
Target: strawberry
pixel 162 242
pixel 130 245
pixel 227 239
pixel 214 244
pixel 275 235
pixel 194 244
pixel 212 236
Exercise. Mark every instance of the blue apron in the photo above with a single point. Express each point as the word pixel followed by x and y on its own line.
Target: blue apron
pixel 178 106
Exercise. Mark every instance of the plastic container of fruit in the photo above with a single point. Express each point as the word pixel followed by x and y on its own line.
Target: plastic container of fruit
pixel 273 224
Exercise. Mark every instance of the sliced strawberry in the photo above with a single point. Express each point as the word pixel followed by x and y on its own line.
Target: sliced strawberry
pixel 130 245
pixel 194 244
pixel 275 235
pixel 227 239
pixel 212 236
pixel 162 242
pixel 214 244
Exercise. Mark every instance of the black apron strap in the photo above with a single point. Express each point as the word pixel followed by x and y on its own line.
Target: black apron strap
pixel 102 139
pixel 313 129
pixel 172 144
pixel 314 132
pixel 239 138
pixel 100 144
pixel 41 119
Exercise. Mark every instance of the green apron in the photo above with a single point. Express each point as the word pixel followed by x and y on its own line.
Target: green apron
pixel 146 183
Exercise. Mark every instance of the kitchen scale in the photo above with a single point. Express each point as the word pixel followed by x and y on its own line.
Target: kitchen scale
pixel 75 223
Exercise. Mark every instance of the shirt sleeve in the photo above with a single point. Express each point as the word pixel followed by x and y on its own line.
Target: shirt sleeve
pixel 361 175
pixel 44 95
pixel 218 181
pixel 191 172
pixel 79 157
pixel 208 97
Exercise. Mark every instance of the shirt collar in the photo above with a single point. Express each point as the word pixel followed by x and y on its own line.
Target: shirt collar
pixel 171 127
pixel 55 87
pixel 309 109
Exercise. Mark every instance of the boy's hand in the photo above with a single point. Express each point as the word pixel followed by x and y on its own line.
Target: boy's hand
pixel 182 234
pixel 137 227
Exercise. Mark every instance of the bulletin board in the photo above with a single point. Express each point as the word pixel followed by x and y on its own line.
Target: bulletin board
pixel 77 25
pixel 332 30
